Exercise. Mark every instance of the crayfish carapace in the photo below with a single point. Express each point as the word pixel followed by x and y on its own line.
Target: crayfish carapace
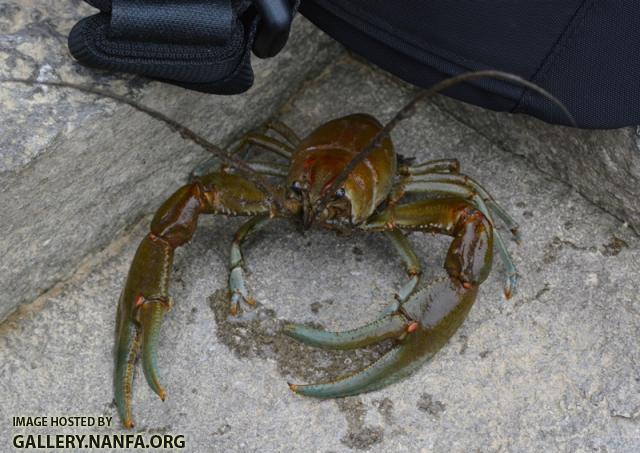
pixel 372 198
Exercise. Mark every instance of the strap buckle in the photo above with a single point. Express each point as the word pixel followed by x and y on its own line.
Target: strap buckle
pixel 274 26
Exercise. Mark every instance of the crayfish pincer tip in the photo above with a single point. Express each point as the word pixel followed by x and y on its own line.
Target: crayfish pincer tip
pixel 293 387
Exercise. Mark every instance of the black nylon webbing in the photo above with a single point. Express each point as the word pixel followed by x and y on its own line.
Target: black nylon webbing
pixel 187 22
pixel 201 45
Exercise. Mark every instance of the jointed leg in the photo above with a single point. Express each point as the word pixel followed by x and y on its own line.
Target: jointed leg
pixel 268 168
pixel 448 170
pixel 412 264
pixel 432 166
pixel 237 284
pixel 473 188
pixel 263 141
pixel 285 131
pixel 432 184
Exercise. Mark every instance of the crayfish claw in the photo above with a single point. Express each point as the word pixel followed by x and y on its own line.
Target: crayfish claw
pixel 127 349
pixel 429 317
pixel 390 368
pixel 389 326
pixel 137 331
pixel 150 317
pixel 141 308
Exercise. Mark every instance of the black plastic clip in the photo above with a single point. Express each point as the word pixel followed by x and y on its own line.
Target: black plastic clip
pixel 273 30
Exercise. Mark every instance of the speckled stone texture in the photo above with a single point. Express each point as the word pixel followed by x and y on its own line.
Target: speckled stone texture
pixel 557 368
pixel 602 165
pixel 77 169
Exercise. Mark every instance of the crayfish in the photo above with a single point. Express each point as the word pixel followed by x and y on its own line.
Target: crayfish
pixel 329 181
pixel 422 319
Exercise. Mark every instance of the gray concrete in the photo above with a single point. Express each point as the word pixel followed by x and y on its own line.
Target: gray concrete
pixel 77 169
pixel 554 369
pixel 603 165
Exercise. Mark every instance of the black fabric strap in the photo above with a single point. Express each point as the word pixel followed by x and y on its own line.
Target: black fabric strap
pixel 204 45
pixel 186 22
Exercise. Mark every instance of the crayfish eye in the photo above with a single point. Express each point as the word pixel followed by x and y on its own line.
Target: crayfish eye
pixel 340 192
pixel 296 187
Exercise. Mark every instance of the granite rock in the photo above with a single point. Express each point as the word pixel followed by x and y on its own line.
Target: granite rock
pixel 602 165
pixel 554 369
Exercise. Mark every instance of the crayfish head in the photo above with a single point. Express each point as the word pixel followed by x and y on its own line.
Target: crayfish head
pixel 337 210
pixel 311 175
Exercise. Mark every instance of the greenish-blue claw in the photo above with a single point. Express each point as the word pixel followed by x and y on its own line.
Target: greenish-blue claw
pixel 390 326
pixel 151 314
pixel 380 374
pixel 126 353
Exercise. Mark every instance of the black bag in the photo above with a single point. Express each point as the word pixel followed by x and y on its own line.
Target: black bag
pixel 585 52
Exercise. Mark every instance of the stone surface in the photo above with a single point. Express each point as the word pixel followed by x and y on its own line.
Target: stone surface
pixel 603 165
pixel 77 169
pixel 554 369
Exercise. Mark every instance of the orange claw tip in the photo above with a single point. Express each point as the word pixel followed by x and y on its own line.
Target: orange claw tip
pixel 411 327
pixel 467 285
pixel 293 387
pixel 508 292
pixel 510 286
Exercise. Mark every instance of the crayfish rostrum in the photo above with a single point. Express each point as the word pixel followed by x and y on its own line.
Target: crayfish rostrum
pixel 371 198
